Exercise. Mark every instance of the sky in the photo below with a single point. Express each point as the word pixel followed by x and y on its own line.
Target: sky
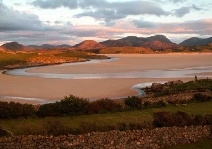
pixel 37 22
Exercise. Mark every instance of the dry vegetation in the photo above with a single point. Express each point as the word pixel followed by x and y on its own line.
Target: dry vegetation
pixel 9 60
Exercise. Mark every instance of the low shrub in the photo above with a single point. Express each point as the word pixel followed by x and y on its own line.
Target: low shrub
pixel 201 98
pixel 73 105
pixel 163 119
pixel 180 119
pixel 134 102
pixel 3 132
pixel 67 107
pixel 15 110
pixel 50 109
pixel 104 105
pixel 200 120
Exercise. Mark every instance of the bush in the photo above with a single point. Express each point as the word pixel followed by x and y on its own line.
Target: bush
pixel 104 105
pixel 15 110
pixel 134 102
pixel 200 120
pixel 201 98
pixel 73 106
pixel 208 119
pixel 67 107
pixel 182 119
pixel 163 119
pixel 3 132
pixel 50 109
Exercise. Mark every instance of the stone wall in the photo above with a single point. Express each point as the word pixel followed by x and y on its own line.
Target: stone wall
pixel 154 139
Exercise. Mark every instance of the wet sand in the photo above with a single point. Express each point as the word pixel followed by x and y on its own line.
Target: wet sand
pixel 56 89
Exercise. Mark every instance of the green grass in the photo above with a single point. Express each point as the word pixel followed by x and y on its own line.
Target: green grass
pixel 79 54
pixel 193 85
pixel 11 59
pixel 35 125
pixel 205 144
pixel 22 58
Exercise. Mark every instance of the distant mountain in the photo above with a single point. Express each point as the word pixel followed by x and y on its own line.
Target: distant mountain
pixel 64 46
pixel 89 45
pixel 115 43
pixel 160 38
pixel 49 46
pixel 14 46
pixel 158 45
pixel 195 41
pixel 154 42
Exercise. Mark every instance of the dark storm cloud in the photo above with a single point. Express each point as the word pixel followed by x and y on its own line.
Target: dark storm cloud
pixel 177 1
pixel 144 24
pixel 35 38
pixel 103 9
pixel 52 4
pixel 125 8
pixel 185 10
pixel 106 14
pixel 119 10
pixel 12 20
pixel 93 3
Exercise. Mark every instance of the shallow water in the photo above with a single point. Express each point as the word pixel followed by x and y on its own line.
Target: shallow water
pixel 172 73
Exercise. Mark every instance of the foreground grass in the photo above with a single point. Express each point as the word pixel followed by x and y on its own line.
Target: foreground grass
pixel 206 144
pixel 35 125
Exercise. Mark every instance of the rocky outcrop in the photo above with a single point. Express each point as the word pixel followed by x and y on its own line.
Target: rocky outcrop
pixel 159 87
pixel 145 139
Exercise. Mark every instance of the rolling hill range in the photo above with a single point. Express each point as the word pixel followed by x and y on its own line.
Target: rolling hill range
pixel 157 42
pixel 130 44
pixel 49 46
pixel 195 41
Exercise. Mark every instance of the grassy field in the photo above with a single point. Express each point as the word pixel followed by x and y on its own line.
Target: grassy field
pixel 206 144
pixel 11 59
pixel 35 125
pixel 193 85
pixel 22 59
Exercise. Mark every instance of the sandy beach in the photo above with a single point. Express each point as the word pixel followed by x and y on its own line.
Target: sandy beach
pixel 56 89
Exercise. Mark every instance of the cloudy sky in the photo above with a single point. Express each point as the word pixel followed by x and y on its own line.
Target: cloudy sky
pixel 72 21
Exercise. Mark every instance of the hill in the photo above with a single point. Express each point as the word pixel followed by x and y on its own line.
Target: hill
pixel 195 41
pixel 14 46
pixel 89 45
pixel 125 50
pixel 49 46
pixel 157 42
